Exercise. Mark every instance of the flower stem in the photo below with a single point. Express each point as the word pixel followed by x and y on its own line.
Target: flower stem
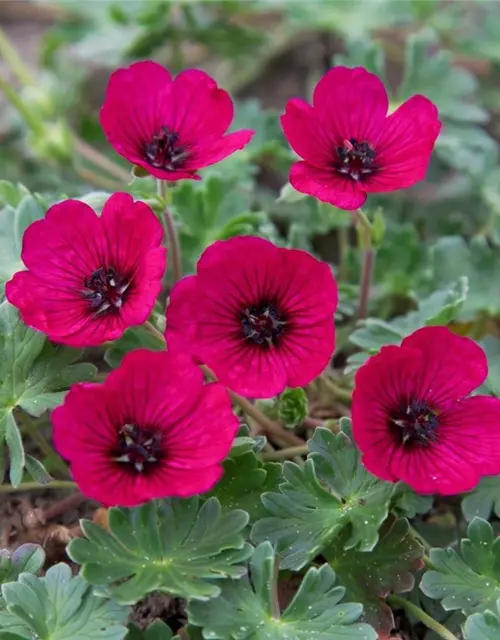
pixel 364 230
pixel 14 61
pixel 172 237
pixel 34 486
pixel 100 160
pixel 17 102
pixel 154 332
pixel 344 395
pixel 286 454
pixel 429 622
pixel 275 602
pixel 254 412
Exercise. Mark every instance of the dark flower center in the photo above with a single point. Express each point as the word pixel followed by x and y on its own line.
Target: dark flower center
pixel 138 448
pixel 165 152
pixel 355 159
pixel 263 324
pixel 105 290
pixel 414 423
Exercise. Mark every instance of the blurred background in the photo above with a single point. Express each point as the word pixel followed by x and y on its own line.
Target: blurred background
pixel 55 58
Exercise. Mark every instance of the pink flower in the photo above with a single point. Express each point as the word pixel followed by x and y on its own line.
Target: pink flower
pixel 413 417
pixel 259 316
pixel 170 127
pixel 89 278
pixel 350 146
pixel 152 430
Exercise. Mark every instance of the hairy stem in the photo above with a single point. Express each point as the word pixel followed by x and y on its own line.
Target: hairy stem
pixel 286 454
pixel 174 247
pixel 254 412
pixel 71 502
pixel 364 230
pixel 34 486
pixel 344 395
pixel 418 613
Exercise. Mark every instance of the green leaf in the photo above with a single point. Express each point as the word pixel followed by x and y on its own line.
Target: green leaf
pixel 157 630
pixel 174 546
pixel 36 470
pixel 28 558
pixel 59 606
pixel 484 499
pixel 133 338
pixel 470 581
pixel 452 256
pixel 369 576
pixel 436 76
pixel 408 503
pixel 20 211
pixel 483 626
pixel 245 479
pixel 246 609
pixel 15 446
pixel 491 347
pixel 318 500
pixel 440 308
pixel 293 407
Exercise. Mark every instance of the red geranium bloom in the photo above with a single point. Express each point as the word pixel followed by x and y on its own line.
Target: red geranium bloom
pixel 152 430
pixel 170 127
pixel 89 278
pixel 413 417
pixel 259 316
pixel 350 146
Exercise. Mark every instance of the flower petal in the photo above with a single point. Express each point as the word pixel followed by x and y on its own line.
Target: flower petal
pixel 353 104
pixel 452 366
pixel 404 149
pixel 327 186
pixel 182 316
pixel 307 135
pixel 208 151
pixel 136 102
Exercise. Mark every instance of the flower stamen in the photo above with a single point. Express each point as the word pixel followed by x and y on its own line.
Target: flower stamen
pixel 355 159
pixel 137 447
pixel 165 152
pixel 415 423
pixel 263 324
pixel 104 289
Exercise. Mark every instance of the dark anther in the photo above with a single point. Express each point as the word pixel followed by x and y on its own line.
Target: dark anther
pixel 104 289
pixel 355 159
pixel 139 448
pixel 165 152
pixel 414 423
pixel 263 324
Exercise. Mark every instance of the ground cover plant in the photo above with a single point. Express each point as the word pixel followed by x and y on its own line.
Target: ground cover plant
pixel 250 364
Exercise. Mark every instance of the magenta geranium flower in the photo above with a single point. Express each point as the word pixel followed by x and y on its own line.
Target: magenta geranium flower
pixel 414 418
pixel 169 126
pixel 153 429
pixel 259 316
pixel 89 278
pixel 350 146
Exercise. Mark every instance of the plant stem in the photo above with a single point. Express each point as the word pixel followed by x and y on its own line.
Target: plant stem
pixel 364 230
pixel 154 332
pixel 17 102
pixel 429 622
pixel 14 61
pixel 275 602
pixel 286 454
pixel 254 412
pixel 172 237
pixel 343 246
pixel 366 280
pixel 418 536
pixel 100 160
pixel 34 486
pixel 340 393
pixel 71 502
pixel 95 178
